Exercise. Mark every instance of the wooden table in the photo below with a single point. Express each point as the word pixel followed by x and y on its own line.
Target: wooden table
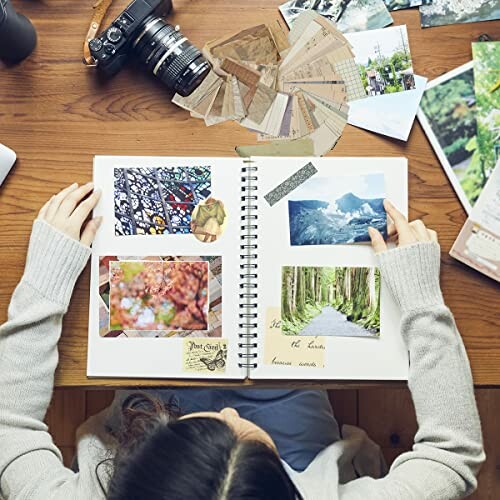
pixel 56 114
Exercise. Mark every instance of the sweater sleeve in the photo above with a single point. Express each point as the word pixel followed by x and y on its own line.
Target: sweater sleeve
pixel 28 358
pixel 447 451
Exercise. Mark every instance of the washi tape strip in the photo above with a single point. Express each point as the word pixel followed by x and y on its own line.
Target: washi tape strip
pixel 288 185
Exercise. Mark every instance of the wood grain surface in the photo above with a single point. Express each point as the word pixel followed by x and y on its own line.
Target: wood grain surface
pixel 57 114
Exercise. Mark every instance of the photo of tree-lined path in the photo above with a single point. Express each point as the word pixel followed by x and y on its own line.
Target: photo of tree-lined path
pixel 331 301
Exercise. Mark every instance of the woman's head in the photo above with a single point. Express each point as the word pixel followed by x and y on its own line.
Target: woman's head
pixel 208 456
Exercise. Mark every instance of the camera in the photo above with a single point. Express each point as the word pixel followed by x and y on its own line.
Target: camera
pixel 17 35
pixel 141 30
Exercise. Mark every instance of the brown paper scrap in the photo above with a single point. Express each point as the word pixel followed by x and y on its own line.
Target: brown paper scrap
pixel 244 74
pixel 202 108
pixel 214 114
pixel 240 110
pixel 279 32
pixel 261 102
pixel 305 113
pixel 254 44
pixel 206 87
pixel 284 350
pixel 297 147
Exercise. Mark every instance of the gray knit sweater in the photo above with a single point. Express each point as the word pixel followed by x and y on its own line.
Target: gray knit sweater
pixel 448 447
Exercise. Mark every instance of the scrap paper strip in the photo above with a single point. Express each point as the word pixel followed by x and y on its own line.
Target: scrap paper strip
pixel 293 182
pixel 290 350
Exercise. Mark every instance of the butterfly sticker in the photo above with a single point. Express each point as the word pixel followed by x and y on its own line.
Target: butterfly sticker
pixel 219 361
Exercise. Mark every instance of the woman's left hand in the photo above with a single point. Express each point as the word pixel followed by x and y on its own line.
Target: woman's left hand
pixel 68 210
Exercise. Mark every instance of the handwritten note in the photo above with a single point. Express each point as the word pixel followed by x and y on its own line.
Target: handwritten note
pixel 204 355
pixel 284 350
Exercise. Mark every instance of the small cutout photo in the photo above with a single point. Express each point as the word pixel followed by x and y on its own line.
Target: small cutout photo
pixel 209 220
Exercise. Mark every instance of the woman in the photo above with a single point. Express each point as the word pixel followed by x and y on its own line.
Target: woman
pixel 287 447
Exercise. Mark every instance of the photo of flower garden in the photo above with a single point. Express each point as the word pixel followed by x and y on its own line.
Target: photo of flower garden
pixel 158 295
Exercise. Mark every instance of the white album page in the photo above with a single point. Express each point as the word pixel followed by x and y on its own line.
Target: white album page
pixel 163 292
pixel 323 311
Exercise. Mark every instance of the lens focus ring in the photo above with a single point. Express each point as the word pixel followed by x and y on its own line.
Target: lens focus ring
pixel 169 55
pixel 179 64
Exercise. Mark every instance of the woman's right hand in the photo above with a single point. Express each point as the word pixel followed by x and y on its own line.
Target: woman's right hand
pixel 410 271
pixel 401 231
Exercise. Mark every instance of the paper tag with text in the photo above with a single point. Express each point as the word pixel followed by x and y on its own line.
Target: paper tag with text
pixel 286 350
pixel 204 355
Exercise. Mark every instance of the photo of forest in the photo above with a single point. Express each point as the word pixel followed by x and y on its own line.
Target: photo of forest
pixel 450 109
pixel 158 295
pixel 330 301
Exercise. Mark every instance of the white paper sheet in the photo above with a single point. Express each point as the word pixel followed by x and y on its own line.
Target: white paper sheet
pixel 390 114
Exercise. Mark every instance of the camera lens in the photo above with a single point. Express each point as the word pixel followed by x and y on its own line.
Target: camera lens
pixel 169 55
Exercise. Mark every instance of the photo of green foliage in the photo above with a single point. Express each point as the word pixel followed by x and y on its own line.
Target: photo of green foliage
pixel 486 57
pixel 450 109
pixel 330 301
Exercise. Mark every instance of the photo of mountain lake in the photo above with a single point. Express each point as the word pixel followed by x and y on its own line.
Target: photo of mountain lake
pixel 337 210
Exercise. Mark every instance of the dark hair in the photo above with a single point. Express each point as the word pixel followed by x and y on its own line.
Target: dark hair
pixel 161 457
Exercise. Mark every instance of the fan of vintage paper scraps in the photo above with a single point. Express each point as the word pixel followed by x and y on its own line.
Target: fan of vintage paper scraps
pixel 286 88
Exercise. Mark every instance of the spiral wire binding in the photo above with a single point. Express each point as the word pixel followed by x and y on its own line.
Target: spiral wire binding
pixel 248 268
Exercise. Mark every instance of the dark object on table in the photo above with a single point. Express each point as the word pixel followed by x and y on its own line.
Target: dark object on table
pixel 166 52
pixel 17 34
pixel 484 37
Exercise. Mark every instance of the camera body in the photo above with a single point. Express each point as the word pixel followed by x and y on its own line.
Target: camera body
pixel 111 48
pixel 141 30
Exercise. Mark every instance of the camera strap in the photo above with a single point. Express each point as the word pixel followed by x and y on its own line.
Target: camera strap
pixel 100 9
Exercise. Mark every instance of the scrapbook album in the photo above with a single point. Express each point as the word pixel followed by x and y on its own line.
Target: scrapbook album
pixel 230 268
